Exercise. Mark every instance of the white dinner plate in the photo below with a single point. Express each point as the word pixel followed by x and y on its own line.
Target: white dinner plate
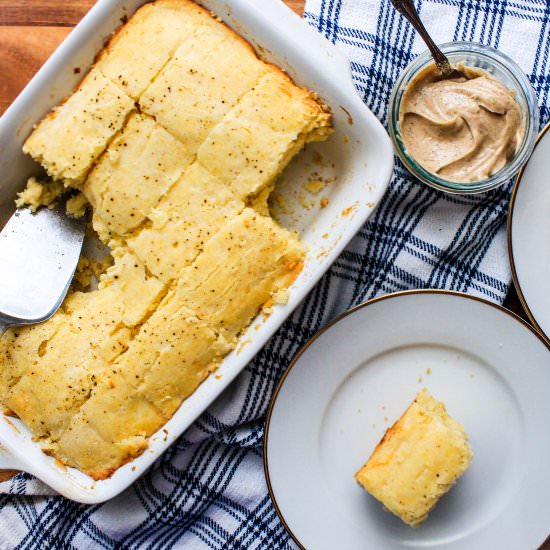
pixel 529 235
pixel 359 374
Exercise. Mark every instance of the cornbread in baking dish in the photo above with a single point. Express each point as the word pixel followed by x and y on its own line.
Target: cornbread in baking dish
pixel 417 461
pixel 73 136
pixel 175 139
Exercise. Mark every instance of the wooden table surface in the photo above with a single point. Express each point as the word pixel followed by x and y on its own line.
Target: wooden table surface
pixel 32 29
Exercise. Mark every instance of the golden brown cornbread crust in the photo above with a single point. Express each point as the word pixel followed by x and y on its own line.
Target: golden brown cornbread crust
pixel 417 460
pixel 171 138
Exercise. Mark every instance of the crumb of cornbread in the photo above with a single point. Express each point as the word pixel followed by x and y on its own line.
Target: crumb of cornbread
pixel 417 461
pixel 281 296
pixel 76 206
pixel 45 192
pixel 87 270
pixel 196 253
pixel 82 278
pixel 39 193
pixel 314 186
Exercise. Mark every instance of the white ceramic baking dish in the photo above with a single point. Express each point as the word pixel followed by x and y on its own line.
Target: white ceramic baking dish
pixel 358 159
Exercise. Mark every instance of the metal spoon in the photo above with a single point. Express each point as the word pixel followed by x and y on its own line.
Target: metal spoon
pixel 408 10
pixel 38 253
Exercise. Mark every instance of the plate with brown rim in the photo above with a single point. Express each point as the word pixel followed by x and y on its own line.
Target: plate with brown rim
pixel 354 379
pixel 529 235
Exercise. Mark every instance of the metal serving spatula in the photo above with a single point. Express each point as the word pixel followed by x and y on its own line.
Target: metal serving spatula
pixel 38 257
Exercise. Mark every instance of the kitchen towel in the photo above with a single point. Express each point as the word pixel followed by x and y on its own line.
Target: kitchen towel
pixel 208 490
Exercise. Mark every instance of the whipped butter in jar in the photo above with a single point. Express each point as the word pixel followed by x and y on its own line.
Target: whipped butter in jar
pixel 467 134
pixel 463 129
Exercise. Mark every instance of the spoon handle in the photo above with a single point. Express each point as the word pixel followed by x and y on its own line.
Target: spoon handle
pixel 407 9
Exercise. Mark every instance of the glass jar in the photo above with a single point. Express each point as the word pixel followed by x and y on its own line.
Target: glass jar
pixel 496 64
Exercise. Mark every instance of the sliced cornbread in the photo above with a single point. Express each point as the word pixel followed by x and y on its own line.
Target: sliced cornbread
pixel 418 460
pixel 175 138
pixel 194 209
pixel 56 365
pixel 141 48
pixel 137 169
pixel 201 83
pixel 255 141
pixel 240 269
pixel 73 136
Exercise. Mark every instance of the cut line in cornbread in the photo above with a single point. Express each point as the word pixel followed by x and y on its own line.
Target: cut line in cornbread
pixel 185 219
pixel 136 170
pixel 141 48
pixel 201 83
pixel 256 139
pixel 172 354
pixel 70 139
pixel 110 429
pixel 417 461
pixel 240 269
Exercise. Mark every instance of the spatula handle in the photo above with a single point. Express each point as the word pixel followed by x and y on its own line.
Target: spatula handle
pixel 408 10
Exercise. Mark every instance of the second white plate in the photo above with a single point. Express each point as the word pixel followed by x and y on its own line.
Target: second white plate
pixel 357 376
pixel 529 235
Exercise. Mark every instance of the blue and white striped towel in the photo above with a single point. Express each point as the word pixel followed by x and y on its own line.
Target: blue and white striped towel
pixel 208 490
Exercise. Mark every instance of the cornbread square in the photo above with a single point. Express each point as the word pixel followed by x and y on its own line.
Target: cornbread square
pixel 240 269
pixel 139 50
pixel 138 292
pixel 417 461
pixel 110 428
pixel 69 140
pixel 63 359
pixel 257 139
pixel 194 210
pixel 39 193
pixel 172 354
pixel 20 345
pixel 137 169
pixel 205 78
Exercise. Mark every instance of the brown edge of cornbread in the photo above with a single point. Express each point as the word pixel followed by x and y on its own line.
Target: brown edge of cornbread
pixel 97 475
pixel 394 429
